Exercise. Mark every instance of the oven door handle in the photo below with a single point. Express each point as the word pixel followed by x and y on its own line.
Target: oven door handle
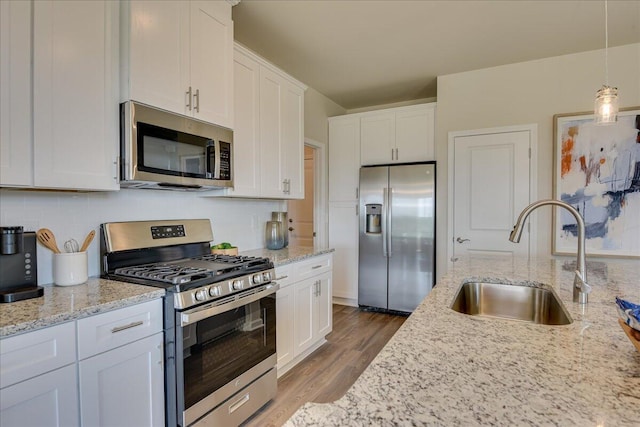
pixel 197 314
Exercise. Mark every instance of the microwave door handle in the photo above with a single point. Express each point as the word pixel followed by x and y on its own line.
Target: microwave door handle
pixel 213 171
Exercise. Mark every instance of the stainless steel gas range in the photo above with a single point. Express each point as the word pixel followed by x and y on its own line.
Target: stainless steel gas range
pixel 219 317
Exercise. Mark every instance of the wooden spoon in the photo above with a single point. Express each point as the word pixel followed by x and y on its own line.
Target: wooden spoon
pixel 48 240
pixel 87 241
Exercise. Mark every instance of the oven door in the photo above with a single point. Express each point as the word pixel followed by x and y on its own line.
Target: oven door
pixel 226 346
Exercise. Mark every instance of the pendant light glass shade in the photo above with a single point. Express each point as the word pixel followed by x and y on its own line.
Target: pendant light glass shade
pixel 606 106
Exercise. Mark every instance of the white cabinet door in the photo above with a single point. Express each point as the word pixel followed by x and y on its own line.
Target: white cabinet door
pixel 415 135
pixel 344 158
pixel 292 140
pixel 157 54
pixel 271 181
pixel 75 96
pixel 304 325
pixel 377 138
pixel 285 325
pixel 324 307
pixel 179 57
pixel 16 138
pixel 211 52
pixel 46 400
pixel 343 237
pixel 398 135
pixel 125 386
pixel 246 141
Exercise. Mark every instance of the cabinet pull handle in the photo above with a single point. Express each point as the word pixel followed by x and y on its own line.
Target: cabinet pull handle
pixel 196 96
pixel 316 266
pixel 129 326
pixel 189 94
pixel 281 277
pixel 392 150
pixel 319 288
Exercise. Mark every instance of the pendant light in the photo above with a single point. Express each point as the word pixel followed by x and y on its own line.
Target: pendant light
pixel 606 105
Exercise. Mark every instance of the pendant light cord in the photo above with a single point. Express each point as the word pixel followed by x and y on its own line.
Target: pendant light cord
pixel 606 43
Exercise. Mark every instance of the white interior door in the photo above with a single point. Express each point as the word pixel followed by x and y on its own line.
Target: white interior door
pixel 491 185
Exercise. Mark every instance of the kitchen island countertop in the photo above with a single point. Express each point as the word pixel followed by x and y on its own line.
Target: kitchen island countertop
pixel 65 303
pixel 287 255
pixel 447 368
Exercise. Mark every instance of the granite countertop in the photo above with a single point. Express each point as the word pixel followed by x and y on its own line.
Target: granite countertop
pixel 64 303
pixel 287 255
pixel 448 368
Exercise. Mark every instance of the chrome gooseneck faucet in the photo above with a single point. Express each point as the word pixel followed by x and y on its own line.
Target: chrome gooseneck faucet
pixel 581 289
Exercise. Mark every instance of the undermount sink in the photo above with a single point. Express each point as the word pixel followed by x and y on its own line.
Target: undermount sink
pixel 531 302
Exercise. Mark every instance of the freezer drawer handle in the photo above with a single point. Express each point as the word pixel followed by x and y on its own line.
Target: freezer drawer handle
pixel 234 407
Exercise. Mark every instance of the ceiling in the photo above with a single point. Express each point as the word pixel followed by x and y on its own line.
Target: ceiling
pixel 361 53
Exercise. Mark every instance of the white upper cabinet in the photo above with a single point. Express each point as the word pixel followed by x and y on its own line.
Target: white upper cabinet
pixel 398 135
pixel 16 137
pixel 378 138
pixel 246 139
pixel 268 141
pixel 178 56
pixel 63 56
pixel 344 158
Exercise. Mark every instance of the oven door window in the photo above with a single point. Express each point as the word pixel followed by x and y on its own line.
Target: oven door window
pixel 171 152
pixel 220 348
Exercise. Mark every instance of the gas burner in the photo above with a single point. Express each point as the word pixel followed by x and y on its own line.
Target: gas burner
pixel 167 273
pixel 227 259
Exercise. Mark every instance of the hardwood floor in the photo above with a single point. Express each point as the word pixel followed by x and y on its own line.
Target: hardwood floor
pixel 327 374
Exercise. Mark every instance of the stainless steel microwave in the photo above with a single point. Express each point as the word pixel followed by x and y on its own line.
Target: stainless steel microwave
pixel 164 150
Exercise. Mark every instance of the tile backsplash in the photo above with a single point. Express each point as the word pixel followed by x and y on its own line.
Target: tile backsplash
pixel 73 215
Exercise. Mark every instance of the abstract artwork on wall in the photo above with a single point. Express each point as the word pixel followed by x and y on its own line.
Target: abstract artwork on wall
pixel 597 171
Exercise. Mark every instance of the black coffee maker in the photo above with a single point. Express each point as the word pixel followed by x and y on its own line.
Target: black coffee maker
pixel 18 265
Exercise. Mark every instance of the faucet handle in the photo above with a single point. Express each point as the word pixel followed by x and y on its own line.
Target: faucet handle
pixel 581 284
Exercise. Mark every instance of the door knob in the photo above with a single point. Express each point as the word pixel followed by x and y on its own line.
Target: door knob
pixel 459 240
pixel 291 228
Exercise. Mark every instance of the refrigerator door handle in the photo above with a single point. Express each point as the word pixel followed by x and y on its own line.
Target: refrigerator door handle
pixel 385 203
pixel 389 220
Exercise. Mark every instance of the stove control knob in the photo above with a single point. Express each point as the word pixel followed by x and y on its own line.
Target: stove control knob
pixel 214 291
pixel 201 295
pixel 237 285
pixel 256 279
pixel 266 277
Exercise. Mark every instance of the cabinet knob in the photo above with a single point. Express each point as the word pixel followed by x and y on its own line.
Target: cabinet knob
pixel 291 228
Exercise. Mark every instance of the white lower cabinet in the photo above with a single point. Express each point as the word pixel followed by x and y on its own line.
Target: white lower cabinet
pixel 343 237
pixel 284 310
pixel 47 400
pixel 117 379
pixel 304 309
pixel 124 386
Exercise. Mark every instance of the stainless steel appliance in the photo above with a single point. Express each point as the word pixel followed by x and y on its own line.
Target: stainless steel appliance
pixel 397 236
pixel 18 265
pixel 163 150
pixel 220 317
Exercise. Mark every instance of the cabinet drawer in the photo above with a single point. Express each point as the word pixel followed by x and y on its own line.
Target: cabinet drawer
pixel 34 353
pixel 103 332
pixel 285 275
pixel 313 266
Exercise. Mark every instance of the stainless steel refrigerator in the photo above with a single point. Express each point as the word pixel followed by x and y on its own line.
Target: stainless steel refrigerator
pixel 397 236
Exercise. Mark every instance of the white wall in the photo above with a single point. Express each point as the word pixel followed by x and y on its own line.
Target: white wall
pixel 524 93
pixel 317 109
pixel 73 215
